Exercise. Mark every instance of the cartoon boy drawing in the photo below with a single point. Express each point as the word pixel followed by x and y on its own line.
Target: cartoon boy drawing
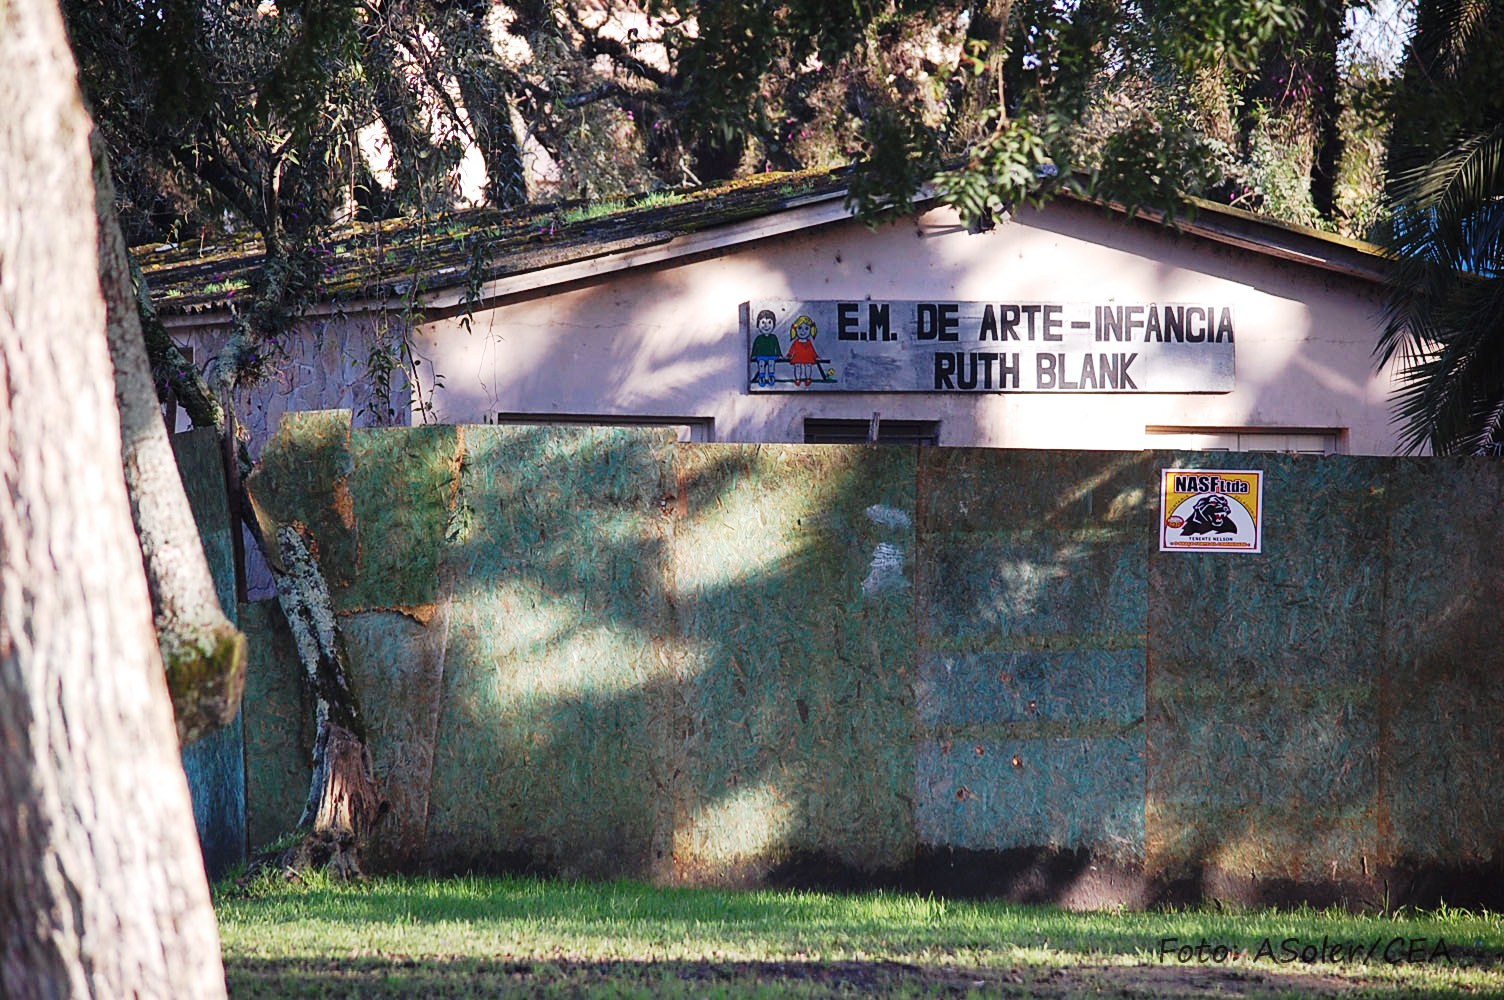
pixel 766 351
pixel 802 351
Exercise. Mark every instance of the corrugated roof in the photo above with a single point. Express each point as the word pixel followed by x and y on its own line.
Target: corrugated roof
pixel 472 249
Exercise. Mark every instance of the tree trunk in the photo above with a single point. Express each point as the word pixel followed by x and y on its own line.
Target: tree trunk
pixel 203 653
pixel 978 100
pixel 343 804
pixel 102 889
pixel 171 370
pixel 1326 105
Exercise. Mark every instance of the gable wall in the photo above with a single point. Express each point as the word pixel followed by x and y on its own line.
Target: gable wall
pixel 665 340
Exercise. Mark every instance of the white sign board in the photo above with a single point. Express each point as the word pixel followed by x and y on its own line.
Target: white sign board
pixel 948 346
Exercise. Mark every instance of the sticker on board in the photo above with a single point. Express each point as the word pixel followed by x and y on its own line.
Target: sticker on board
pixel 1211 510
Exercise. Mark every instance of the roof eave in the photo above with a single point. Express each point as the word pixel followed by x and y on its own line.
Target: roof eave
pixel 1280 240
pixel 1206 220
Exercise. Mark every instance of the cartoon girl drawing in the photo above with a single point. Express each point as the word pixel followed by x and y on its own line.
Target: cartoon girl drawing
pixel 802 353
pixel 766 351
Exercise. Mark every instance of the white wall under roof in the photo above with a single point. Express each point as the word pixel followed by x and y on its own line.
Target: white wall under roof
pixel 664 341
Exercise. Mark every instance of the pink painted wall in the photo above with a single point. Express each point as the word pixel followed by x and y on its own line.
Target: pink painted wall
pixel 665 340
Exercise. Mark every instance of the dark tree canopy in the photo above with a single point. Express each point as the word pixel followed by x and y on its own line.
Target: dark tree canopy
pixel 282 117
pixel 1446 310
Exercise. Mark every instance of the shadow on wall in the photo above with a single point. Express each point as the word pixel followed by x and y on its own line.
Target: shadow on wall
pixel 595 653
pixel 580 654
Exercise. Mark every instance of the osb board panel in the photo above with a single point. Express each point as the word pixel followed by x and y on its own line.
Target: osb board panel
pixel 397 665
pixel 1262 693
pixel 554 656
pixel 991 490
pixel 1029 686
pixel 404 489
pixel 793 590
pixel 700 671
pixel 1033 612
pixel 1443 691
pixel 215 765
pixel 1066 793
pixel 304 477
pixel 215 768
pixel 278 727
pixel 201 467
pixel 1034 549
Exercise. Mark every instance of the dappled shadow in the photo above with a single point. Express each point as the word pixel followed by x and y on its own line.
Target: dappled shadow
pixel 594 653
pixel 570 694
pixel 597 653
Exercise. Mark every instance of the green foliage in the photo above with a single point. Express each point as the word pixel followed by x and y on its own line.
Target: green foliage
pixel 259 114
pixel 1015 165
pixel 1194 33
pixel 1446 308
pixel 613 206
pixel 1145 104
pixel 1280 183
pixel 1443 324
pixel 898 155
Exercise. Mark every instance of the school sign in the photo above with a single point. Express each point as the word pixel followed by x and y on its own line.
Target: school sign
pixel 953 346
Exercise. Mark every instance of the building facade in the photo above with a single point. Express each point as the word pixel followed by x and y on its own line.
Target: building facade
pixel 1073 326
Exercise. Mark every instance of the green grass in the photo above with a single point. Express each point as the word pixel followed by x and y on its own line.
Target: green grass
pixel 476 937
pixel 612 206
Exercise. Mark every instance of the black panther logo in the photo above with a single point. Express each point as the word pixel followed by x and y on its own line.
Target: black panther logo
pixel 1212 513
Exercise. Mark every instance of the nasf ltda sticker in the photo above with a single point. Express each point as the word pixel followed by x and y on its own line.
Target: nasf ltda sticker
pixel 1211 510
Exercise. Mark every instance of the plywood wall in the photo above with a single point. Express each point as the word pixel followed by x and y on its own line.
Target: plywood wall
pixel 598 652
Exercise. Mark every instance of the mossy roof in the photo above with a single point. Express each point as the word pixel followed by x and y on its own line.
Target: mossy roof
pixel 405 259
pixel 399 258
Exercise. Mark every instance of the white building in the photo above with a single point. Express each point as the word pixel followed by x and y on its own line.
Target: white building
pixel 1073 326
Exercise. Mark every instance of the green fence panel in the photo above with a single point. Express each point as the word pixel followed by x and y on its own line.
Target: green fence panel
pixel 1442 750
pixel 552 577
pixel 1262 692
pixel 1033 618
pixel 792 574
pixel 599 652
pixel 215 765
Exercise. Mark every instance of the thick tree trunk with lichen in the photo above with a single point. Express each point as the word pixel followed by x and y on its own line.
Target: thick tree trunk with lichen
pixel 203 653
pixel 102 890
pixel 343 803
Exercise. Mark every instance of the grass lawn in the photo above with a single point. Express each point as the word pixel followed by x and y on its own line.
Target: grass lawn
pixel 474 937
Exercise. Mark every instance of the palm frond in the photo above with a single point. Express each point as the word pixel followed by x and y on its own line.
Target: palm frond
pixel 1444 315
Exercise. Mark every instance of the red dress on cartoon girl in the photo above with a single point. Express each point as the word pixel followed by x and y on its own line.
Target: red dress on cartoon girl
pixel 802 353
